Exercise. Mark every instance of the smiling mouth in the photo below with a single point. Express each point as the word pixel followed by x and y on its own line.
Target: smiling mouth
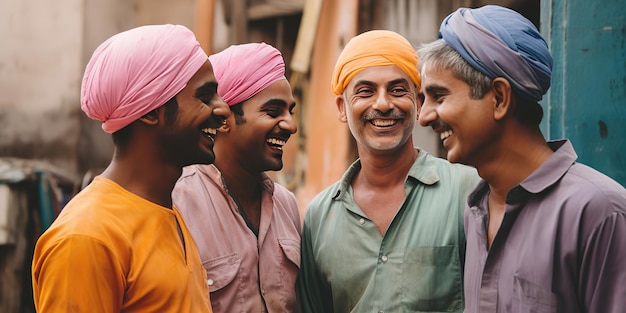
pixel 383 122
pixel 276 143
pixel 209 132
pixel 445 134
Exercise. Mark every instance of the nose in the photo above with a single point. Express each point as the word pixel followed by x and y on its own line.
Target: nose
pixel 427 112
pixel 288 123
pixel 220 108
pixel 383 101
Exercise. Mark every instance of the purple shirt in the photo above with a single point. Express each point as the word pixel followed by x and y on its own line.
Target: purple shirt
pixel 561 246
pixel 245 273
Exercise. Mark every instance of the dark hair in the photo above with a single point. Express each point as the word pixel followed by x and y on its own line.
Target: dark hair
pixel 237 109
pixel 171 110
pixel 122 136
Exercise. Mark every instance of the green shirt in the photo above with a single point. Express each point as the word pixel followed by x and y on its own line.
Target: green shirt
pixel 347 266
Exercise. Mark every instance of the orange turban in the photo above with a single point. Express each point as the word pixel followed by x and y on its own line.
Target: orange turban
pixel 374 48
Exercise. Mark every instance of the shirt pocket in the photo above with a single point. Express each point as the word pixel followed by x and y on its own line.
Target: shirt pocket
pixel 528 297
pixel 221 271
pixel 291 250
pixel 431 279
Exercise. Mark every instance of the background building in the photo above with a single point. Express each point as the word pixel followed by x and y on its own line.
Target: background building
pixel 49 148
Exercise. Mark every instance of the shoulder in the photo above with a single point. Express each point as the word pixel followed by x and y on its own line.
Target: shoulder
pixel 320 204
pixel 285 199
pixel 453 173
pixel 591 186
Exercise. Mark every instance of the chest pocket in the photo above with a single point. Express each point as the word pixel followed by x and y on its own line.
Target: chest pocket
pixel 221 271
pixel 528 297
pixel 431 279
pixel 291 249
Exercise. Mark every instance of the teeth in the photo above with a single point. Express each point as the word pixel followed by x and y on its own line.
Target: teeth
pixel 383 122
pixel 445 134
pixel 209 131
pixel 276 143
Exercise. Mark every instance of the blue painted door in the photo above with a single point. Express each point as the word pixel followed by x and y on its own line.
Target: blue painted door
pixel 587 100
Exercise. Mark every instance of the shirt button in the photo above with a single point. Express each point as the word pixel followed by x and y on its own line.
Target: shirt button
pixel 209 282
pixel 361 221
pixel 384 259
pixel 263 292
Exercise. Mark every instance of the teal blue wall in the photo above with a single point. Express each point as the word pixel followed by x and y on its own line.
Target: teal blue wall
pixel 587 100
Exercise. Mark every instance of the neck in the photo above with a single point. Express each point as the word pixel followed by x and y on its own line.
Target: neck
pixel 385 169
pixel 149 179
pixel 513 160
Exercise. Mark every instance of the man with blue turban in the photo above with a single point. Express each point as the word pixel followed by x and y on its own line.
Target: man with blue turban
pixel 388 236
pixel 544 233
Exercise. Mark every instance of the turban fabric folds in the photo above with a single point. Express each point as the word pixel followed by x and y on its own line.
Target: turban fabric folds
pixel 244 70
pixel 500 42
pixel 137 71
pixel 374 48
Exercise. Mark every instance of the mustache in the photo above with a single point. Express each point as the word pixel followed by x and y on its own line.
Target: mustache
pixel 392 114
pixel 439 125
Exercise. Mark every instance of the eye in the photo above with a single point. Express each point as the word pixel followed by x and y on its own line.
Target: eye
pixel 398 91
pixel 364 91
pixel 438 97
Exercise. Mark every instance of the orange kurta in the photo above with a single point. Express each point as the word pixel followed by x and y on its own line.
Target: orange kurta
pixel 113 251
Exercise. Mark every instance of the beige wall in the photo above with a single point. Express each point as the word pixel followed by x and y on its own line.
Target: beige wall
pixel 45 46
pixel 39 78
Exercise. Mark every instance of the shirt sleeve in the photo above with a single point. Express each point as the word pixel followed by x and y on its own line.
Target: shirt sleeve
pixel 314 291
pixel 602 271
pixel 77 274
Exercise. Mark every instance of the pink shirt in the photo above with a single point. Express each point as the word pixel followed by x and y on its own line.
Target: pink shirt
pixel 245 273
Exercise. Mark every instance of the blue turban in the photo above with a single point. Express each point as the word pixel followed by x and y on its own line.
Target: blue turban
pixel 500 42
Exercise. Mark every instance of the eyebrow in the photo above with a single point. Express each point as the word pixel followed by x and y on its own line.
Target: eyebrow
pixel 391 83
pixel 207 88
pixel 436 88
pixel 277 102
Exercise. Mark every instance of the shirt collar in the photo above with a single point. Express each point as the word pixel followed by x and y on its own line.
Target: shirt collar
pixel 543 177
pixel 421 170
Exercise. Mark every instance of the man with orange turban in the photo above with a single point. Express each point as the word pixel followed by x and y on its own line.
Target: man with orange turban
pixel 387 237
pixel 246 226
pixel 119 245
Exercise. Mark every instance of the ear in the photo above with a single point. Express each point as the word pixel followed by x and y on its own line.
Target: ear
pixel 419 101
pixel 503 95
pixel 150 118
pixel 225 127
pixel 341 107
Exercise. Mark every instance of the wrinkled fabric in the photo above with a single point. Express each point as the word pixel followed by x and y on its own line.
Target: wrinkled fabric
pixel 416 266
pixel 244 70
pixel 500 42
pixel 137 71
pixel 560 247
pixel 110 250
pixel 357 55
pixel 245 273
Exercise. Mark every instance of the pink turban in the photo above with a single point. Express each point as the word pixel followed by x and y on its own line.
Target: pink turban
pixel 137 71
pixel 244 70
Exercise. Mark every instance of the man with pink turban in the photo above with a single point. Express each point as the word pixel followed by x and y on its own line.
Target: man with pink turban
pixel 388 236
pixel 544 233
pixel 246 226
pixel 120 245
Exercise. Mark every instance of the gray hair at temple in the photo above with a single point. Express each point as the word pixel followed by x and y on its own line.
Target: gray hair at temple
pixel 443 57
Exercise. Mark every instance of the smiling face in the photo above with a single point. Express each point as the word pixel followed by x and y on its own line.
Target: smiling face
pixel 380 106
pixel 256 138
pixel 188 131
pixel 466 126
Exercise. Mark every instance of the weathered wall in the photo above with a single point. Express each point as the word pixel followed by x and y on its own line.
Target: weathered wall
pixel 45 47
pixel 39 78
